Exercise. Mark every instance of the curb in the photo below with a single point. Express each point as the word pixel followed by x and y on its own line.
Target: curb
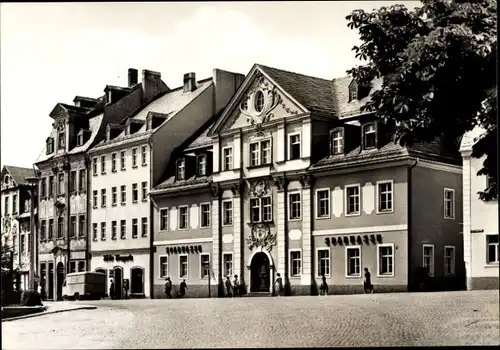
pixel 49 312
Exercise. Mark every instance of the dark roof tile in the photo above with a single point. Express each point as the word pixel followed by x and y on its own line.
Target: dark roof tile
pixel 20 174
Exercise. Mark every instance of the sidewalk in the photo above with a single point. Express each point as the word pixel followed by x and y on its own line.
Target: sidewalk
pixel 53 307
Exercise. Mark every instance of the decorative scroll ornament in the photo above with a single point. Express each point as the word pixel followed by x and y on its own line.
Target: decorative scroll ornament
pixel 216 190
pixel 60 206
pixel 236 189
pixel 6 224
pixel 261 237
pixel 259 188
pixel 271 100
pixel 57 250
pixel 306 181
pixel 59 124
pixel 280 182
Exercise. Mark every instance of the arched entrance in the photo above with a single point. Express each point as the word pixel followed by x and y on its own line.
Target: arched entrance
pixel 105 280
pixel 118 279
pixel 137 280
pixel 260 273
pixel 60 279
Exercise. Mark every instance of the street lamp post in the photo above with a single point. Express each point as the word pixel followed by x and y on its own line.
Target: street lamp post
pixel 33 185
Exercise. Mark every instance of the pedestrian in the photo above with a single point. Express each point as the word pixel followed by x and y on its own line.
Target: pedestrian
pixel 368 286
pixel 125 288
pixel 278 284
pixel 39 290
pixel 168 288
pixel 112 290
pixel 228 287
pixel 236 286
pixel 43 295
pixel 324 287
pixel 183 289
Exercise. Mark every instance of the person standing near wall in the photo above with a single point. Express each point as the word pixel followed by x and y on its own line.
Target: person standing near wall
pixel 278 284
pixel 168 288
pixel 236 286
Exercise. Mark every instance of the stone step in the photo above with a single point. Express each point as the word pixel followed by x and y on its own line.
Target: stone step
pixel 259 294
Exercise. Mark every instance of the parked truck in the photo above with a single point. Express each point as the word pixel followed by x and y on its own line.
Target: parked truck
pixel 84 285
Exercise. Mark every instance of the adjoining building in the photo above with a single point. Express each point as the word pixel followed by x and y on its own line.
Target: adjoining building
pixel 131 157
pixel 305 184
pixel 480 225
pixel 17 234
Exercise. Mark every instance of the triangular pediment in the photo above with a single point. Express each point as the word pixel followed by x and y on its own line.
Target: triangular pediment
pixel 258 101
pixel 59 111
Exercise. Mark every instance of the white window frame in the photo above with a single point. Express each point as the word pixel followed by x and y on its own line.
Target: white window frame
pixel 346 261
pixel 114 196
pixel 317 202
pixel 364 134
pixel 318 265
pixel 452 267
pixel 137 228
pixel 209 214
pixel 144 233
pixel 252 152
pixel 123 160
pixel 135 151
pixel 378 194
pixel 181 164
pixel 179 217
pixel 95 231
pixel 95 199
pixel 346 199
pixel 202 268
pixel 137 191
pixel 290 206
pixel 123 198
pixel 261 209
pixel 103 164
pixel 291 263
pixel 113 162
pixel 487 250
pixel 104 198
pixel 114 230
pixel 224 212
pixel 95 161
pixel 179 267
pixel 290 145
pixel 144 191
pixel 269 150
pixel 103 225
pixel 161 265
pixel 144 157
pixel 452 216
pixel 125 231
pixel 383 245
pixel 160 219
pixel 339 149
pixel 201 163
pixel 231 163
pixel 432 260
pixel 224 263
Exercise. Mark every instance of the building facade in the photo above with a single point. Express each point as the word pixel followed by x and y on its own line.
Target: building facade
pixel 480 227
pixel 16 202
pixel 304 184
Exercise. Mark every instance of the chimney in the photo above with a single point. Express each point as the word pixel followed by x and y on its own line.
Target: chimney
pixel 132 76
pixel 189 82
pixel 152 85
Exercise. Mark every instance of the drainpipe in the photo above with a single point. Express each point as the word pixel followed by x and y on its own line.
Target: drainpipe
pixel 409 221
pixel 67 171
pixel 88 198
pixel 151 222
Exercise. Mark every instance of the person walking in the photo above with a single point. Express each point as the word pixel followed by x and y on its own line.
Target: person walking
pixel 324 287
pixel 125 289
pixel 112 290
pixel 278 284
pixel 236 286
pixel 228 287
pixel 182 289
pixel 367 285
pixel 168 288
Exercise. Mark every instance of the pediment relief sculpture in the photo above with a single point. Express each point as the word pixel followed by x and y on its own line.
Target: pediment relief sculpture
pixel 261 237
pixel 259 188
pixel 260 101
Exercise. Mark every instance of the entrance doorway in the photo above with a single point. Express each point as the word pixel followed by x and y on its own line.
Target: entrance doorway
pixel 137 280
pixel 105 280
pixel 60 279
pixel 118 279
pixel 50 290
pixel 260 271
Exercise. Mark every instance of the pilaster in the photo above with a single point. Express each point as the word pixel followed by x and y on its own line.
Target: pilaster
pixel 237 230
pixel 216 234
pixel 280 219
pixel 307 249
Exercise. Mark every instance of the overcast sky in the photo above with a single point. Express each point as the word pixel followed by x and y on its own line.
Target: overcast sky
pixel 52 52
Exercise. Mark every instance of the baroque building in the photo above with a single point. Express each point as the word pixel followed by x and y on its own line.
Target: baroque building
pixel 293 178
pixel 133 155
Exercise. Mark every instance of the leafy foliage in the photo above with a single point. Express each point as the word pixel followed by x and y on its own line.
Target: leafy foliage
pixel 438 69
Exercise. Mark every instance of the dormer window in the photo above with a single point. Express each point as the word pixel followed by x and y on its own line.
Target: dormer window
pixel 79 139
pixel 50 145
pixel 181 169
pixel 6 179
pixel 61 140
pixel 353 91
pixel 358 92
pixel 369 136
pixel 337 137
pixel 202 165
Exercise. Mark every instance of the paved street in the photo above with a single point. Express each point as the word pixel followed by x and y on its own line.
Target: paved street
pixel 423 319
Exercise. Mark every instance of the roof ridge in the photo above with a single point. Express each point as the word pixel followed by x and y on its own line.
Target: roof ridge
pixel 290 72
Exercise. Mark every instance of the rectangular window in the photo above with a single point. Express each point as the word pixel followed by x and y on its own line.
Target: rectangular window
pixel 205 215
pixel 23 244
pixel 228 264
pixel 82 231
pixel 103 198
pixel 181 169
pixel 183 266
pixel 183 218
pixel 204 265
pixel 385 197
pixel 94 166
pixel 143 156
pixel 122 159
pixel 294 206
pixel 428 257
pixel 60 184
pixel 51 186
pixel 61 140
pixel 72 227
pixel 135 194
pixel 227 207
pixel 94 198
pixel 449 203
pixel 353 255
pixel 255 209
pixel 82 185
pixel 492 246
pixel 43 230
pixel 323 262
pixel 103 231
pixel 202 165
pixel 134 157
pixel 352 200
pixel 369 136
pixel 265 147
pixel 123 229
pixel 267 210
pixel 261 209
pixel 295 263
pixel 94 231
pixel 113 162
pixel 323 203
pixel 338 141
pixel 60 228
pixel 123 194
pixel 144 227
pixel 449 260
pixel 81 266
pixel 144 187
pixel 43 188
pixel 72 182
pixel 135 228
pixel 163 266
pixel 51 229
pixel 103 164
pixel 6 206
pixel 164 219
pixel 113 229
pixel 14 204
pixel 72 266
pixel 255 154
pixel 386 259
pixel 114 196
pixel 293 146
pixel 227 158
